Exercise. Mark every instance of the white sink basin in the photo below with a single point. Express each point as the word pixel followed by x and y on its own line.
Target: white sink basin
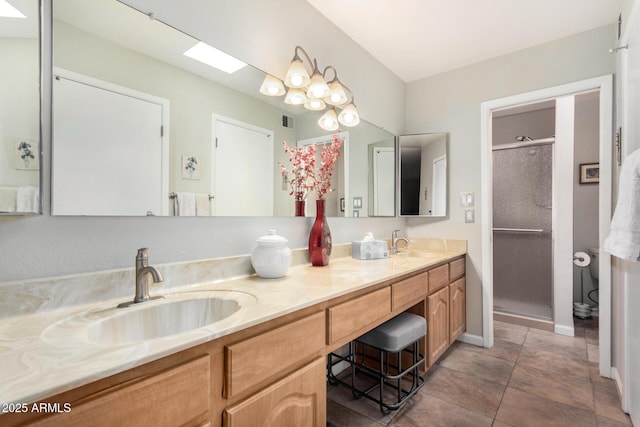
pixel 176 313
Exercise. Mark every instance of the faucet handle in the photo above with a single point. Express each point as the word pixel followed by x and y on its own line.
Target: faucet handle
pixel 394 234
pixel 142 258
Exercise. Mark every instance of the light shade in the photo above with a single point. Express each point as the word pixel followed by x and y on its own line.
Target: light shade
pixel 315 104
pixel 272 86
pixel 214 58
pixel 297 75
pixel 349 116
pixel 329 120
pixel 337 94
pixel 317 87
pixel 295 97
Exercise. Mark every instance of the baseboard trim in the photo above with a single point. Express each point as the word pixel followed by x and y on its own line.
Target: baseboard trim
pixel 564 330
pixel 467 338
pixel 615 375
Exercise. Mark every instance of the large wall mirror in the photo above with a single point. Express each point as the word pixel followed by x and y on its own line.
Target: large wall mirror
pixel 20 108
pixel 138 125
pixel 422 186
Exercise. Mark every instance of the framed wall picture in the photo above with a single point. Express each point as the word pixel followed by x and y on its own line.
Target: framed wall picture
pixel 589 173
pixel 190 167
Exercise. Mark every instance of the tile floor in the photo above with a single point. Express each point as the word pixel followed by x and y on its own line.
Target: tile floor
pixel 529 378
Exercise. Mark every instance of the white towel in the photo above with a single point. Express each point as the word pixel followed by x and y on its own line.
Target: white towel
pixel 8 197
pixel 28 199
pixel 624 237
pixel 203 205
pixel 186 204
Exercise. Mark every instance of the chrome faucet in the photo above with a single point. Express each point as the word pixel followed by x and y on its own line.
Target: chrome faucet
pixel 145 275
pixel 394 241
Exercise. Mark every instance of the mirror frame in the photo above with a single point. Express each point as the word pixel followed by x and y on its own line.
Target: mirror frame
pixel 41 89
pixel 399 176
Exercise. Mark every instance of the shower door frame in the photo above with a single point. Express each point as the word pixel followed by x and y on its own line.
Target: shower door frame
pixel 603 84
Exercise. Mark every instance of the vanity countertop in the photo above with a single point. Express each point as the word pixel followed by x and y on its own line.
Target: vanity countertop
pixel 36 363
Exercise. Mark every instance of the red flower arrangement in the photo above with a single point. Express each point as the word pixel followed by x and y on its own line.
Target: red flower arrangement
pixel 303 177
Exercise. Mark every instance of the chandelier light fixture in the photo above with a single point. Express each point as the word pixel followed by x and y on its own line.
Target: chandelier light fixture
pixel 314 92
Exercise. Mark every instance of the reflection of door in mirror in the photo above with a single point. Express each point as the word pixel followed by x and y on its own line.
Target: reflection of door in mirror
pixel 423 174
pixel 20 110
pixel 340 178
pixel 245 190
pixel 439 193
pixel 383 181
pixel 110 153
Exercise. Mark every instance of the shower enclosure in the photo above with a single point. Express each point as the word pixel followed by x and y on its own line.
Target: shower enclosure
pixel 522 234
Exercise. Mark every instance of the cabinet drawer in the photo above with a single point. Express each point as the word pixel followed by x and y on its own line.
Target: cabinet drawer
pixel 456 269
pixel 177 396
pixel 438 277
pixel 253 360
pixel 409 291
pixel 297 400
pixel 348 318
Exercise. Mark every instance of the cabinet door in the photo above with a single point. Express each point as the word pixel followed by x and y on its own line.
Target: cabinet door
pixel 457 309
pixel 177 396
pixel 437 324
pixel 298 400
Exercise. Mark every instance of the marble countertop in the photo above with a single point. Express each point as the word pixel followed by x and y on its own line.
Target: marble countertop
pixel 45 353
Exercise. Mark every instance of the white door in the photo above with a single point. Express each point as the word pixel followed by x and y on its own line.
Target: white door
pixel 439 203
pixel 383 181
pixel 107 151
pixel 249 193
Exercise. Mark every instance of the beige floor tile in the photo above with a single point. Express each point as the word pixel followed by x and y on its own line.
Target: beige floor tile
pixel 608 422
pixel 553 362
pixel 487 367
pixel 508 332
pixel 425 410
pixel 572 391
pixel 594 373
pixel 340 416
pixel 568 346
pixel 468 391
pixel 497 423
pixel 593 352
pixel 363 406
pixel 527 410
pixel 505 350
pixel 608 402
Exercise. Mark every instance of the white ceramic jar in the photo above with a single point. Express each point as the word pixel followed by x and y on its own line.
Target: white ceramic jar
pixel 272 257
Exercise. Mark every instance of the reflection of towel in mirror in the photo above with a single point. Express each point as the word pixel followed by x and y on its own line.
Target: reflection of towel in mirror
pixel 186 205
pixel 28 199
pixel 8 196
pixel 203 206
pixel 624 238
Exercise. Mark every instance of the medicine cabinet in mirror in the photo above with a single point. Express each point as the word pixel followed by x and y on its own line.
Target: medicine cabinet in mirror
pixel 422 183
pixel 138 124
pixel 20 112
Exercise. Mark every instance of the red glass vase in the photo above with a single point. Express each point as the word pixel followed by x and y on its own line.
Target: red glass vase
pixel 320 238
pixel 299 206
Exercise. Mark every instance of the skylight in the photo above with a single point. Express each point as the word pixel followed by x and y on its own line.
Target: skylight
pixel 213 57
pixel 8 11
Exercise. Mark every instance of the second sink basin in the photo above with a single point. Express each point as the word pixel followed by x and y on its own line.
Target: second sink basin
pixel 176 313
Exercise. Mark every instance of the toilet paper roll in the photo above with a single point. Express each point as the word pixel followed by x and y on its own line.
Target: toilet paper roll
pixel 581 259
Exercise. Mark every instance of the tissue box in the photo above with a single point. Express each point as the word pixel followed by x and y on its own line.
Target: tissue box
pixel 375 249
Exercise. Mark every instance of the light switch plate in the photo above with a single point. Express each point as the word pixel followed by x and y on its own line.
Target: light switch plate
pixel 357 203
pixel 466 200
pixel 469 215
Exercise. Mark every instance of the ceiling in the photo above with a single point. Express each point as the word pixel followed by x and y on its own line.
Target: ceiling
pixel 420 38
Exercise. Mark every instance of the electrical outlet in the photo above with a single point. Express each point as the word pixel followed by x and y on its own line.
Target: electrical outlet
pixel 469 215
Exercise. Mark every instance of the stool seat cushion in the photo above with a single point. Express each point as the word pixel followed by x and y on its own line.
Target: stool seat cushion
pixel 397 333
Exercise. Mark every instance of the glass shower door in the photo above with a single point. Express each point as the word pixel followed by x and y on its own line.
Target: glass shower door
pixel 522 238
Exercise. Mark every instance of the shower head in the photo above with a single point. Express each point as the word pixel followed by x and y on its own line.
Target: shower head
pixel 521 138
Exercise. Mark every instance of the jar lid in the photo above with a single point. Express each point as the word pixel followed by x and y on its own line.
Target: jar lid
pixel 271 238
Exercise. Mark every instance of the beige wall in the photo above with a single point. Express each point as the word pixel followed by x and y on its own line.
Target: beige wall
pixel 450 102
